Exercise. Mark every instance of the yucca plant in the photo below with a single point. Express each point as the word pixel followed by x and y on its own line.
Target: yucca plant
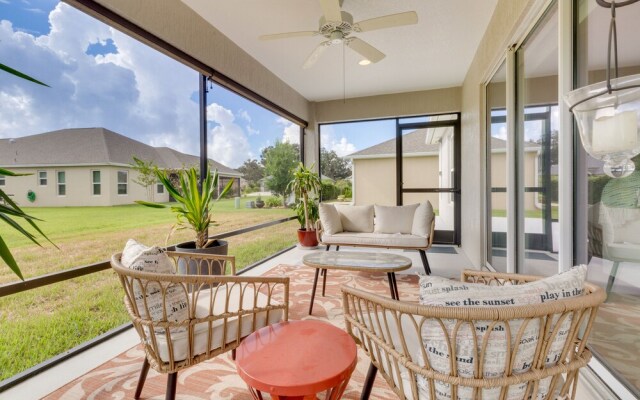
pixel 9 210
pixel 194 208
pixel 304 183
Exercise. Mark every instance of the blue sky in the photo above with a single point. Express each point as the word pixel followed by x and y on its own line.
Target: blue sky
pixel 101 77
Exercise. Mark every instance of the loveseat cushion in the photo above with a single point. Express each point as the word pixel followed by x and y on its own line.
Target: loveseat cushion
pixel 154 260
pixel 422 220
pixel 437 291
pixel 394 219
pixel 356 218
pixel 376 239
pixel 180 340
pixel 330 218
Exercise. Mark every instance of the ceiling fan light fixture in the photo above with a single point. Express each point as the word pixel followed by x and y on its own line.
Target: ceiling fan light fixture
pixel 336 37
pixel 364 62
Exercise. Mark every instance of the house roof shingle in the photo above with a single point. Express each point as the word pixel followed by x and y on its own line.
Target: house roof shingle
pixel 92 146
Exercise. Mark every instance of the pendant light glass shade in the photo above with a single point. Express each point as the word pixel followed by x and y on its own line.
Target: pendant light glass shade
pixel 609 122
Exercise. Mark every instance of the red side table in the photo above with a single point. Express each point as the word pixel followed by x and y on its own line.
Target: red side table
pixel 295 360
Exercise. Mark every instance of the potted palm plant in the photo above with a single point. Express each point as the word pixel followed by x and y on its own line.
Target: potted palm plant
pixel 305 183
pixel 194 207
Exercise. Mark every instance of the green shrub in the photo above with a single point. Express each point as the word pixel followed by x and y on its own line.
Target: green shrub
pixel 329 190
pixel 273 201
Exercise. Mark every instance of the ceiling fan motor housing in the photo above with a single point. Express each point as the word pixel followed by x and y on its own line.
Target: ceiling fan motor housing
pixel 344 27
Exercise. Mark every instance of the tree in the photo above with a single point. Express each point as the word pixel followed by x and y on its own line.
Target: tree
pixel 334 166
pixel 252 171
pixel 279 162
pixel 146 175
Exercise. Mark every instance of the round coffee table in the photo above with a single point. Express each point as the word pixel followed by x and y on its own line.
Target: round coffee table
pixel 356 261
pixel 295 360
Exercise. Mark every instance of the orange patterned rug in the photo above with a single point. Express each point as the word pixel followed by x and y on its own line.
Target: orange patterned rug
pixel 217 378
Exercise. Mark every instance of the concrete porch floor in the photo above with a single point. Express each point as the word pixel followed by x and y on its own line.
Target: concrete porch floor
pixel 445 261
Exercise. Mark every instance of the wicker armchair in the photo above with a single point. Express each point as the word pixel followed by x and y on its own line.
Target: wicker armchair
pixel 222 310
pixel 389 332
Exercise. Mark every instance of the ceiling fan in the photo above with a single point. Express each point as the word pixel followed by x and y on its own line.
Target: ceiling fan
pixel 336 25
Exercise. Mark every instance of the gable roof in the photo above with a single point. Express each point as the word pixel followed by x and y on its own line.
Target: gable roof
pixel 416 144
pixel 92 146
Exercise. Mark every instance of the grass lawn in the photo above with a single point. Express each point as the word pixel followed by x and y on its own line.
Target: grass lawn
pixel 41 323
pixel 528 213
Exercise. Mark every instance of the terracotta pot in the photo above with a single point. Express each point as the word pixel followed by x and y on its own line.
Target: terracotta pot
pixel 307 238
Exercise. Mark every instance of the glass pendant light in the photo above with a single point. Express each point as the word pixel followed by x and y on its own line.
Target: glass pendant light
pixel 608 113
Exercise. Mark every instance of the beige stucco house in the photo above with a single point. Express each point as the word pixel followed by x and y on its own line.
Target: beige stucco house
pixel 86 167
pixel 427 163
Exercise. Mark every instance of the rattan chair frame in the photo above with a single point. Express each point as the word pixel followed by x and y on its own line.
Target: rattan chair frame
pixel 371 319
pixel 195 288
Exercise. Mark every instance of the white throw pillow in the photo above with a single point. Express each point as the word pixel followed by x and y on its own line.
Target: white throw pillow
pixel 153 259
pixel 330 218
pixel 394 219
pixel 437 291
pixel 356 218
pixel 422 220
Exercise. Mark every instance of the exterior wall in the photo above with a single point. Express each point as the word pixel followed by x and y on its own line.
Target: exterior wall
pixel 78 187
pixel 375 180
pixel 509 17
pixel 499 179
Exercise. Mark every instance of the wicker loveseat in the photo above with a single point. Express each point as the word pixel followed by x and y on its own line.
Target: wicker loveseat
pixel 408 227
pixel 220 311
pixel 391 333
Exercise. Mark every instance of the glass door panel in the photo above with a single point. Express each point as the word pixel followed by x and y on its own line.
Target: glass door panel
pixel 537 139
pixel 428 172
pixel 497 171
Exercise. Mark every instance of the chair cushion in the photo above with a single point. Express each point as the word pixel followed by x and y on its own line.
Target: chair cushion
pixel 356 218
pixel 436 291
pixel 375 239
pixel 394 219
pixel 154 260
pixel 216 303
pixel 330 218
pixel 422 218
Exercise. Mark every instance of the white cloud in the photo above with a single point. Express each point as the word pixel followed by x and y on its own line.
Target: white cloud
pixel 229 144
pixel 251 131
pixel 243 114
pixel 136 91
pixel 341 146
pixel 291 131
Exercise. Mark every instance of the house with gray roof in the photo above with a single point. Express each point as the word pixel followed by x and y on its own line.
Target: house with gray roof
pixel 88 167
pixel 428 163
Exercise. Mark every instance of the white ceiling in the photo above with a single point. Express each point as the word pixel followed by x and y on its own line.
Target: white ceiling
pixel 435 53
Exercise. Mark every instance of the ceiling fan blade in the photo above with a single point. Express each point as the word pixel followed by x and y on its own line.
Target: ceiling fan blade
pixel 288 35
pixel 388 21
pixel 365 49
pixel 315 54
pixel 331 10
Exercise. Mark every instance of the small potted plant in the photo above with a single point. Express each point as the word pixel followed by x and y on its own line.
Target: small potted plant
pixel 194 207
pixel 305 183
pixel 259 202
